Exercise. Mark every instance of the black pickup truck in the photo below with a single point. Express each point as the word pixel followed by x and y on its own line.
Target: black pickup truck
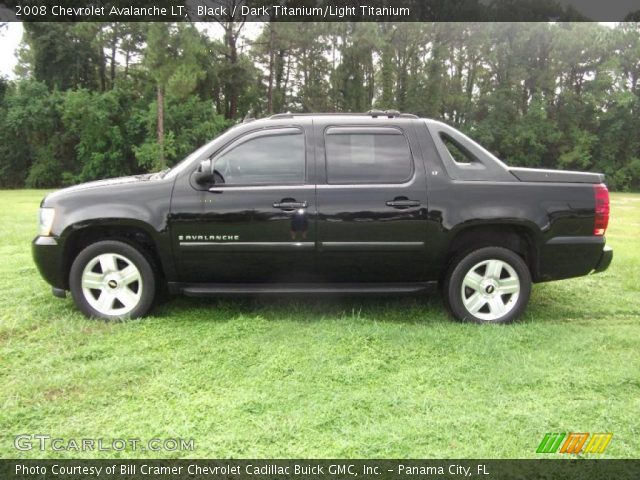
pixel 381 202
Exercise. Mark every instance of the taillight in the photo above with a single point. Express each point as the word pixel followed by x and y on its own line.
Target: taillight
pixel 601 220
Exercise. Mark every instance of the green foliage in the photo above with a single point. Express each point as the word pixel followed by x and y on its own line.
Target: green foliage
pixel 552 95
pixel 62 55
pixel 632 171
pixel 98 124
pixel 149 153
pixel 59 138
pixel 199 115
pixel 171 57
pixel 31 151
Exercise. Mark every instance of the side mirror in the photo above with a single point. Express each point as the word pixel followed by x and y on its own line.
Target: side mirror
pixel 204 174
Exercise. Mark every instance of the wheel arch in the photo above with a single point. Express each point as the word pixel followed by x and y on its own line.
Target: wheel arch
pixel 520 238
pixel 137 234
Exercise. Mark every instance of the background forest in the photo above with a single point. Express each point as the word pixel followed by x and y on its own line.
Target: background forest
pixel 95 100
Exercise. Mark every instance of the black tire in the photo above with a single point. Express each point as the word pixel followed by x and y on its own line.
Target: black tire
pixel 488 293
pixel 142 299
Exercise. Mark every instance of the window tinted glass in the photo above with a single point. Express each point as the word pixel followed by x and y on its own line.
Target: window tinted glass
pixel 458 153
pixel 367 158
pixel 274 159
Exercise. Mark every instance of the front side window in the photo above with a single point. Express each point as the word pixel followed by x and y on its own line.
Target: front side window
pixel 270 159
pixel 367 156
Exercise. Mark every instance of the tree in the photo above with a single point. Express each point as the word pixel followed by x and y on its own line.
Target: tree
pixel 171 60
pixel 105 99
pixel 62 55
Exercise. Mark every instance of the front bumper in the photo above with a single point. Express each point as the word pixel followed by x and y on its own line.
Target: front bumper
pixel 48 257
pixel 605 259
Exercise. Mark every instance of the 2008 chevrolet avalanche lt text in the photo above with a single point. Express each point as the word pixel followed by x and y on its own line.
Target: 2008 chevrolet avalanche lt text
pixel 381 202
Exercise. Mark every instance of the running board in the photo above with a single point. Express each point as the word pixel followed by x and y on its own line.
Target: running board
pixel 219 289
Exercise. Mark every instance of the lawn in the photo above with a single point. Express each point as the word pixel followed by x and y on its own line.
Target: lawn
pixel 322 377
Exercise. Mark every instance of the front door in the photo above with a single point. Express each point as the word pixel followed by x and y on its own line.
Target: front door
pixel 257 222
pixel 372 204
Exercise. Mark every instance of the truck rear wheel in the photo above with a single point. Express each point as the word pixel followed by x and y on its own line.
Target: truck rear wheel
pixel 112 280
pixel 488 285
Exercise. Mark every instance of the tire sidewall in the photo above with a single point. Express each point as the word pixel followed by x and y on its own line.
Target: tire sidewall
pixel 464 263
pixel 126 250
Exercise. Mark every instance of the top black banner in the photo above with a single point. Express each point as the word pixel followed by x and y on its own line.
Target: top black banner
pixel 320 10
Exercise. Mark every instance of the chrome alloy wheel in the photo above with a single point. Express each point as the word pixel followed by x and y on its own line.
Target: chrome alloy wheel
pixel 112 284
pixel 490 289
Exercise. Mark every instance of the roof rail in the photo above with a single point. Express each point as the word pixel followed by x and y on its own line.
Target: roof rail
pixel 390 114
pixel 248 118
pixel 282 115
pixel 370 113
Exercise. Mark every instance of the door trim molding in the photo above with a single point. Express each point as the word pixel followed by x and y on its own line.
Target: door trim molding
pixel 230 188
pixel 248 246
pixel 371 246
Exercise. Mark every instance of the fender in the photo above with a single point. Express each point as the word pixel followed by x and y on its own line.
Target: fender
pixel 87 208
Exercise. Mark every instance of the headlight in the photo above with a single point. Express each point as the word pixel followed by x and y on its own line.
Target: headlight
pixel 46 221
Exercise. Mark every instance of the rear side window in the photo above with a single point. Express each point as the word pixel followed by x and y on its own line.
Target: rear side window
pixel 372 155
pixel 458 153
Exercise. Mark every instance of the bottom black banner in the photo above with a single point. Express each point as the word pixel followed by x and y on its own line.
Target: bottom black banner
pixel 560 469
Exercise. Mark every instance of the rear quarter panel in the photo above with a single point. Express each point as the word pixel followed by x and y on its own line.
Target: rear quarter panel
pixel 547 210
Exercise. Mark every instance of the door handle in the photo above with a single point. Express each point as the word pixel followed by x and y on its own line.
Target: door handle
pixel 289 205
pixel 402 203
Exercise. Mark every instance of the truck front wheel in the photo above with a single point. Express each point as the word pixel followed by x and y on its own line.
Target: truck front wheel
pixel 488 285
pixel 112 280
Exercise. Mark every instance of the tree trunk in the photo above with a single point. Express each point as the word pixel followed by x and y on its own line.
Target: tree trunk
pixel 161 159
pixel 126 65
pixel 278 103
pixel 387 100
pixel 370 81
pixel 231 41
pixel 114 43
pixel 271 66
pixel 102 68
pixel 286 82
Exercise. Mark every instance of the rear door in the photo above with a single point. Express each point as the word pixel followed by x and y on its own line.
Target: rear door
pixel 372 203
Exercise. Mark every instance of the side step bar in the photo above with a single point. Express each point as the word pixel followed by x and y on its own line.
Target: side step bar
pixel 220 289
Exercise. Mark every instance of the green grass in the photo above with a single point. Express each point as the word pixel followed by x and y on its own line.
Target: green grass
pixel 322 377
